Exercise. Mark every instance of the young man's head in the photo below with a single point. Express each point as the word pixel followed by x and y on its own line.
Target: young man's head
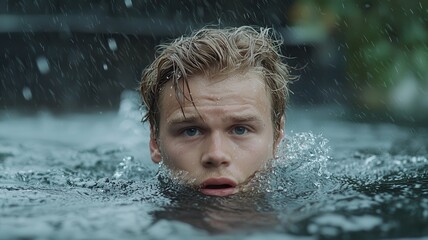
pixel 215 103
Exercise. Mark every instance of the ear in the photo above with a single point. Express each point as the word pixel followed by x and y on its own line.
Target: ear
pixel 154 147
pixel 280 133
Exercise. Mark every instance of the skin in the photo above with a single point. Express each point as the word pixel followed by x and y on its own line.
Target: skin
pixel 225 141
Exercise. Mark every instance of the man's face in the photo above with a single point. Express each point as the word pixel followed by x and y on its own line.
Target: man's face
pixel 225 140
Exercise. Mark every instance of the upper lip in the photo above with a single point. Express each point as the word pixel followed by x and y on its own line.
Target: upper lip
pixel 221 182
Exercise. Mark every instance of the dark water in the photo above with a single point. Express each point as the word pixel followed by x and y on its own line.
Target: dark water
pixel 89 176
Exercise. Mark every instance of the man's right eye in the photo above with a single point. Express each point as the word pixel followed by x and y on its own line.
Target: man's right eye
pixel 190 132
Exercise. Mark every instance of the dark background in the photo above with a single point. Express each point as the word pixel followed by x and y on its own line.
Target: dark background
pixel 66 56
pixel 80 55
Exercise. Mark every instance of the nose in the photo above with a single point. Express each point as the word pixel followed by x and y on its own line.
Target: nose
pixel 216 153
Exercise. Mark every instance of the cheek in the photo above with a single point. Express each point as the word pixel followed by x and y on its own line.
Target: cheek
pixel 258 154
pixel 265 144
pixel 178 156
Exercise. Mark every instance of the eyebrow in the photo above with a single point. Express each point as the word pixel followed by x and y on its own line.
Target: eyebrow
pixel 243 118
pixel 184 119
pixel 232 118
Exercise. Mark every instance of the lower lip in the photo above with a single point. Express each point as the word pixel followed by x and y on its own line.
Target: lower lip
pixel 218 192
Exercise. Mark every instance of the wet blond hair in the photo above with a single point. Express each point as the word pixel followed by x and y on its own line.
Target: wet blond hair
pixel 213 51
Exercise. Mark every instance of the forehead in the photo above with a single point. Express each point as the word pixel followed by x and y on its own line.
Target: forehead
pixel 233 88
pixel 233 94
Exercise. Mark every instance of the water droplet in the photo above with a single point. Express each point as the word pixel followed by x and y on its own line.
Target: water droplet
pixel 112 44
pixel 26 92
pixel 124 167
pixel 43 65
pixel 128 3
pixel 105 67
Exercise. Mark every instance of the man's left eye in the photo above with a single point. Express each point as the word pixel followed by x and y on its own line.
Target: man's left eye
pixel 240 130
pixel 190 132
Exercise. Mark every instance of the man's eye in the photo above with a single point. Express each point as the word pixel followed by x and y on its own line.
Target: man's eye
pixel 240 130
pixel 190 132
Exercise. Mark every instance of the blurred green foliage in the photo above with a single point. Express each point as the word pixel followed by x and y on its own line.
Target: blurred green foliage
pixel 386 42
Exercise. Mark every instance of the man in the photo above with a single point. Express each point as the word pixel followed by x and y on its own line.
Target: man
pixel 215 103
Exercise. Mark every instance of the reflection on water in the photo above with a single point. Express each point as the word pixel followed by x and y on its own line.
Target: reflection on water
pixel 218 215
pixel 88 176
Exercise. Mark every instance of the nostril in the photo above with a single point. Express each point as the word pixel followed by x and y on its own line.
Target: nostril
pixel 215 162
pixel 208 163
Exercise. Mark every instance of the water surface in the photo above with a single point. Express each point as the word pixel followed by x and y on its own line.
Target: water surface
pixel 89 176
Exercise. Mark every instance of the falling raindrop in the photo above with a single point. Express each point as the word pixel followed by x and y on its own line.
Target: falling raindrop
pixel 112 44
pixel 43 64
pixel 128 3
pixel 105 67
pixel 26 92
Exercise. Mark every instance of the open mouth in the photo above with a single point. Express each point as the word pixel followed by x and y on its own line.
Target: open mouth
pixel 221 186
pixel 218 187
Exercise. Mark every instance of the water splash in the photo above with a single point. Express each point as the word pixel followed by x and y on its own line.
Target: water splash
pixel 130 168
pixel 301 166
pixel 305 151
pixel 371 169
pixel 174 180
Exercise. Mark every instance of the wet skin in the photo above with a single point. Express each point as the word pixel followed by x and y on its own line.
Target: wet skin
pixel 225 141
